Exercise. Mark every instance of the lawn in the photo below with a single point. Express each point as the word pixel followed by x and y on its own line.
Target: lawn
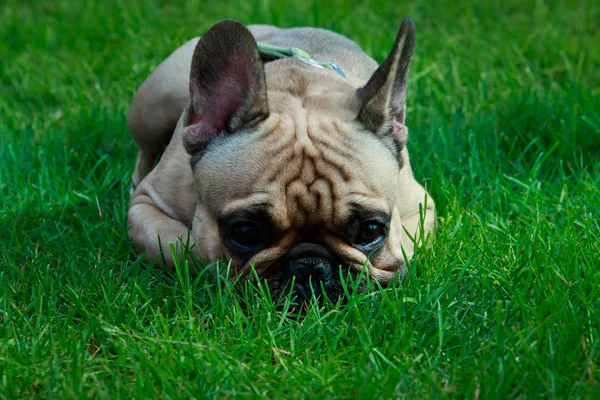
pixel 504 112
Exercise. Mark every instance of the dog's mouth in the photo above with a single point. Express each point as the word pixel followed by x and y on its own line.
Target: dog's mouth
pixel 308 270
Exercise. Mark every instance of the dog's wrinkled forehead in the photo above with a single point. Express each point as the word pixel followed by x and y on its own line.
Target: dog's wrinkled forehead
pixel 309 168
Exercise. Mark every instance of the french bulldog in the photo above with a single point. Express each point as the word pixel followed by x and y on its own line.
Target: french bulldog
pixel 277 164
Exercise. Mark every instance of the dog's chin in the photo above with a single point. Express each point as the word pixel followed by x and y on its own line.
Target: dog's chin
pixel 281 286
pixel 310 271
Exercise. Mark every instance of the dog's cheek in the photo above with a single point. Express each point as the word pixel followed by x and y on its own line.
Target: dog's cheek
pixel 390 257
pixel 208 245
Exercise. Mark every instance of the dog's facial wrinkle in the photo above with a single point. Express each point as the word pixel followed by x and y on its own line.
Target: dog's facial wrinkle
pixel 313 165
pixel 310 166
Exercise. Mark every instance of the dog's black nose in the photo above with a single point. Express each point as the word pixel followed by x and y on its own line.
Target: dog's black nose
pixel 310 275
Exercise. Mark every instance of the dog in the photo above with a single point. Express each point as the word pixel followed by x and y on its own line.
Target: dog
pixel 295 165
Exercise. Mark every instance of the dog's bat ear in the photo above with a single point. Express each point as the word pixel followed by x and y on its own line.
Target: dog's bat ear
pixel 383 98
pixel 227 85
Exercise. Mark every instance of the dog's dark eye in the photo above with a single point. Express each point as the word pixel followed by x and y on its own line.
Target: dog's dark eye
pixel 369 233
pixel 247 236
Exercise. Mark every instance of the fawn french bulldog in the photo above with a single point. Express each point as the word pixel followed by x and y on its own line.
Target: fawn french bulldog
pixel 294 166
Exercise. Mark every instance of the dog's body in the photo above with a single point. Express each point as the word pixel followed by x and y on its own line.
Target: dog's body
pixel 279 164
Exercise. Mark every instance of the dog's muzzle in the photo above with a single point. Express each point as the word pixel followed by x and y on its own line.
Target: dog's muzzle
pixel 313 269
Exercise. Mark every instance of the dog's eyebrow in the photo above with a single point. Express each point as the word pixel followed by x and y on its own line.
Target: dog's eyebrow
pixel 258 211
pixel 255 201
pixel 362 212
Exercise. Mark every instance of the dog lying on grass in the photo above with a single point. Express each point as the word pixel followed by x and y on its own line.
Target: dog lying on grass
pixel 282 150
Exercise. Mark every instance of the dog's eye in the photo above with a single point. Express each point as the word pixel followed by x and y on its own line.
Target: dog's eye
pixel 369 233
pixel 247 236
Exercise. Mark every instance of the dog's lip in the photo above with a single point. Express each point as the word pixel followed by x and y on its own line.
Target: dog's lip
pixel 307 249
pixel 265 258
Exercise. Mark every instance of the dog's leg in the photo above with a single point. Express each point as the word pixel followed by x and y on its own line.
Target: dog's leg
pixel 153 231
pixel 163 204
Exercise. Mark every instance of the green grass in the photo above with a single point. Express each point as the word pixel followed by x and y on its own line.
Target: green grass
pixel 504 111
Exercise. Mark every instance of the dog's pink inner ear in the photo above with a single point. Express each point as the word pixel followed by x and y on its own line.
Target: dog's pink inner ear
pixel 215 104
pixel 227 85
pixel 383 98
pixel 399 130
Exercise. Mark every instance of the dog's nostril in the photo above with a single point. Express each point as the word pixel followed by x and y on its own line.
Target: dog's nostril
pixel 303 269
pixel 308 273
pixel 323 271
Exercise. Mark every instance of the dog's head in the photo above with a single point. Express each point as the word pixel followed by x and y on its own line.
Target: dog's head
pixel 296 170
